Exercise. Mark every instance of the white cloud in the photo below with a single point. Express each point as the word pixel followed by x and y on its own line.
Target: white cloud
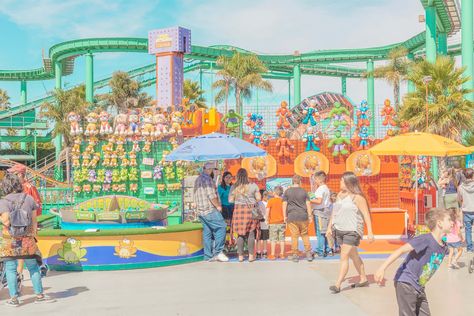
pixel 79 18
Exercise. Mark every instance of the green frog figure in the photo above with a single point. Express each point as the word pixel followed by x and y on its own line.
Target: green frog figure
pixel 71 251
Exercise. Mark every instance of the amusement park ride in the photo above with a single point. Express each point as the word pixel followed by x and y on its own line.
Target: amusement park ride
pixel 125 206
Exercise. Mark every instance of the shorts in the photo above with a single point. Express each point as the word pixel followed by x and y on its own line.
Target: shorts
pixel 227 211
pixel 277 232
pixel 350 238
pixel 457 244
pixel 264 234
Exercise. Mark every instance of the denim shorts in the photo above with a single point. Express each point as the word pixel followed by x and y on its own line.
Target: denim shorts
pixel 457 244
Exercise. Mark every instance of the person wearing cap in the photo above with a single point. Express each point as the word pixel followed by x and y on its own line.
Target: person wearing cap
pixel 28 188
pixel 209 211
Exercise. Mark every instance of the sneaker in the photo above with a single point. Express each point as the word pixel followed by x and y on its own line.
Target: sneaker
pixel 258 256
pixel 330 253
pixel 13 302
pixel 264 255
pixel 282 256
pixel 44 299
pixel 222 257
pixel 294 258
pixel 309 257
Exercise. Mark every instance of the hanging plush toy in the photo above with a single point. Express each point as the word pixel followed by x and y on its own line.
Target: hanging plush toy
pixel 311 114
pixel 134 120
pixel 120 125
pixel 148 129
pixel 389 113
pixel 283 113
pixel 283 145
pixel 86 159
pixel 232 122
pixel 108 176
pixel 91 129
pixel 404 127
pixel 133 159
pixel 176 121
pixel 161 124
pixel 157 172
pixel 92 176
pixel 339 143
pixel 338 115
pixel 363 114
pixel 105 127
pixel 363 138
pixel 311 138
pixel 75 123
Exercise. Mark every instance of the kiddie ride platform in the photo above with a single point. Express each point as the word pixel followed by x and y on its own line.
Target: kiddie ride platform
pixel 115 233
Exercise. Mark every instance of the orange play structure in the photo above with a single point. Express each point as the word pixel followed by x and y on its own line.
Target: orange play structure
pixel 390 214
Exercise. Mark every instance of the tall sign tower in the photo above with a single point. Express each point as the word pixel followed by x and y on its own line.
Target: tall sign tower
pixel 169 46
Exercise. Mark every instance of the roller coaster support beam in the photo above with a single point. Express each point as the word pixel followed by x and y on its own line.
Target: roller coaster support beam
pixel 58 139
pixel 297 84
pixel 89 77
pixel 23 100
pixel 410 84
pixel 343 85
pixel 430 24
pixel 370 95
pixel 442 43
pixel 467 45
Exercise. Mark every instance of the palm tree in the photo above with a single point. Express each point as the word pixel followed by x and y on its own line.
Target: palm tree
pixel 193 93
pixel 4 100
pixel 65 102
pixel 125 93
pixel 241 73
pixel 449 113
pixel 395 71
pixel 226 84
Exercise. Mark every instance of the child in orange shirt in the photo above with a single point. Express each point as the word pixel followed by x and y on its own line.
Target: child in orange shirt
pixel 276 222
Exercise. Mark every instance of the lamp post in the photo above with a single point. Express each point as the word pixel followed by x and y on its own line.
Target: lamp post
pixel 426 80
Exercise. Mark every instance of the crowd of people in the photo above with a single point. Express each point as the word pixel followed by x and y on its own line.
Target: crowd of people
pixel 256 216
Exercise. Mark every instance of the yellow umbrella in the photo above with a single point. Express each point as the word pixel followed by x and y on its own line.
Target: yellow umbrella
pixel 420 144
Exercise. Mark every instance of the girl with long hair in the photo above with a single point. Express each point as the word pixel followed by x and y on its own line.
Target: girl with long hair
pixel 223 190
pixel 245 196
pixel 350 211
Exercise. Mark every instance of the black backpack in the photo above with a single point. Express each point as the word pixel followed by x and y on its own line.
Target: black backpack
pixel 20 218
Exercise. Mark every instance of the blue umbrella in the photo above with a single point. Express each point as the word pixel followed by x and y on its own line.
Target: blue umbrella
pixel 214 146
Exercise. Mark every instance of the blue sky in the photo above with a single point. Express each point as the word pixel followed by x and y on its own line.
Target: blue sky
pixel 268 26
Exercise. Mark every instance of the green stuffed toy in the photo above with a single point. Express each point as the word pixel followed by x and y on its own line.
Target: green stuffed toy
pixel 339 143
pixel 337 116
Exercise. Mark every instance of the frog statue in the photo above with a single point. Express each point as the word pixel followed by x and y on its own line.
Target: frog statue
pixel 125 249
pixel 311 114
pixel 232 122
pixel 339 143
pixel 71 251
pixel 337 115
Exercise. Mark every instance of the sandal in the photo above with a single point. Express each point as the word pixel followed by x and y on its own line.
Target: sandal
pixel 251 259
pixel 334 289
pixel 241 259
pixel 363 284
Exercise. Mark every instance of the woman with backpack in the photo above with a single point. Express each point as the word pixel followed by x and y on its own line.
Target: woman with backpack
pixel 18 216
